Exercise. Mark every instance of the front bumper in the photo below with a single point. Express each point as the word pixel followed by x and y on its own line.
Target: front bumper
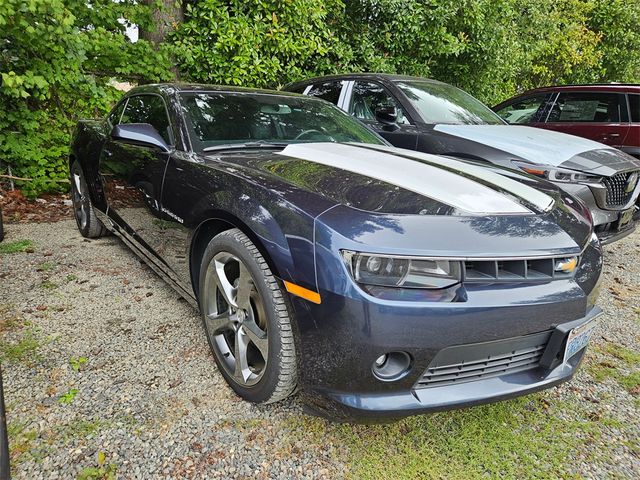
pixel 549 371
pixel 606 222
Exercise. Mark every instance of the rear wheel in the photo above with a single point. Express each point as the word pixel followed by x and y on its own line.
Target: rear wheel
pixel 247 319
pixel 83 211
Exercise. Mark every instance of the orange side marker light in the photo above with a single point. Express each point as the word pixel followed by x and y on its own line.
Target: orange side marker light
pixel 302 292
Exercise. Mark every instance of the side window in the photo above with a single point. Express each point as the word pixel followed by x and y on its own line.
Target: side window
pixel 589 107
pixel 116 113
pixel 367 97
pixel 149 109
pixel 634 105
pixel 329 91
pixel 526 110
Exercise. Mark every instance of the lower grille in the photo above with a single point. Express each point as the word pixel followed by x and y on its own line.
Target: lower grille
pixel 617 185
pixel 482 361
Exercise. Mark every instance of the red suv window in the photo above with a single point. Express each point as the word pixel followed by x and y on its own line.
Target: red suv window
pixel 597 107
pixel 634 105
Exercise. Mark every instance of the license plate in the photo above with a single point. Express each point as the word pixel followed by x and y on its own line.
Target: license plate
pixel 625 218
pixel 578 338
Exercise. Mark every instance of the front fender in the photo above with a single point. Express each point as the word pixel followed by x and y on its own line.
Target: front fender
pixel 198 195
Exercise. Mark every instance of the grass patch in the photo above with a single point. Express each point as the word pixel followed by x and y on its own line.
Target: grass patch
pixel 22 441
pixel 46 267
pixel 81 429
pixel 49 285
pixel 16 247
pixel 610 367
pixel 25 349
pixel 522 438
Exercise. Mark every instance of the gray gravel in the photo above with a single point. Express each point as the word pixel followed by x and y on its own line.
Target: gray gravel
pixel 149 399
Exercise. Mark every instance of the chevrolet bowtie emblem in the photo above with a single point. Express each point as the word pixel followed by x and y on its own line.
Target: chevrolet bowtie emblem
pixel 632 181
pixel 566 265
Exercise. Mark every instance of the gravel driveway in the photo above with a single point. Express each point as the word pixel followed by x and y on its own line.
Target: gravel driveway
pixel 108 374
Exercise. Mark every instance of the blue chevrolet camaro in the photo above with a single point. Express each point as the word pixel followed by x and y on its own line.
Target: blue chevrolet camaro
pixel 381 282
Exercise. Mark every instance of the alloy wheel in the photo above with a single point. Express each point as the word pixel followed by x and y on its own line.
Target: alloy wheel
pixel 235 319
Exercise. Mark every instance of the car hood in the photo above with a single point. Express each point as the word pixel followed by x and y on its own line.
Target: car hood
pixel 387 183
pixel 357 172
pixel 546 147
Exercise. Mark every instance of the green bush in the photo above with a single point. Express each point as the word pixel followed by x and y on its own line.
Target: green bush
pixel 56 62
pixel 258 43
pixel 58 57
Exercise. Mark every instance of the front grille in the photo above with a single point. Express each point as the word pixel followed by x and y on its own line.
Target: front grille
pixel 617 195
pixel 469 363
pixel 514 270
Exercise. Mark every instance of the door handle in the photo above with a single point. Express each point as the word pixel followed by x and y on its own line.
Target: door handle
pixel 613 135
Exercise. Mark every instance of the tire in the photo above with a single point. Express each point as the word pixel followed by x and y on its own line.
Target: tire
pixel 88 223
pixel 246 319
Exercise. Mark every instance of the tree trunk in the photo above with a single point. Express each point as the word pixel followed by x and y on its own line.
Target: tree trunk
pixel 165 20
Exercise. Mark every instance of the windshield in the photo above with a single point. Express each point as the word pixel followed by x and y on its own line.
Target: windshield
pixel 442 103
pixel 215 119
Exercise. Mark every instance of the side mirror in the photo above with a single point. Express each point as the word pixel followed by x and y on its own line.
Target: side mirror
pixel 387 116
pixel 142 134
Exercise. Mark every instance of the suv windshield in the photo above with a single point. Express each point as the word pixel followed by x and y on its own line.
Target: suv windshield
pixel 215 119
pixel 442 103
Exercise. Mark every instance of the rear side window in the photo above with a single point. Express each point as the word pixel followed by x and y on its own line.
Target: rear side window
pixel 329 91
pixel 531 109
pixel 589 107
pixel 634 105
pixel 149 109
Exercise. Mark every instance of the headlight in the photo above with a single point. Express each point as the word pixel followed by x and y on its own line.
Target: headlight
pixel 404 272
pixel 557 174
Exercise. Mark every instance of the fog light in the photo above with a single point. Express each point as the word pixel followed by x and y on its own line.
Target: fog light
pixel 381 360
pixel 391 366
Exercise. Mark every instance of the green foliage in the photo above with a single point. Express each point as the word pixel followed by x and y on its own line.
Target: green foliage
pixel 18 246
pixel 69 397
pixel 59 58
pixel 77 363
pixel 102 471
pixel 24 350
pixel 255 43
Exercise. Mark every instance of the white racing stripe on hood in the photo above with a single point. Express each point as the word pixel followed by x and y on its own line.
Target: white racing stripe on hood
pixel 541 200
pixel 537 145
pixel 441 185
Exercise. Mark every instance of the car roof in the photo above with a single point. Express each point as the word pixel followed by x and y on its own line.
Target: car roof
pixel 171 88
pixel 605 87
pixel 388 77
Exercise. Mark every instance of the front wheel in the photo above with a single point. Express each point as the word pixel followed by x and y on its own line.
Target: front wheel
pixel 246 319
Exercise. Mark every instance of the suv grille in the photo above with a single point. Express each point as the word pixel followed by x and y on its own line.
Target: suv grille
pixel 518 270
pixel 617 196
pixel 468 363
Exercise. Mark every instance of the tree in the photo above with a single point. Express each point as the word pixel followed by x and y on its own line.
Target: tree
pixel 57 59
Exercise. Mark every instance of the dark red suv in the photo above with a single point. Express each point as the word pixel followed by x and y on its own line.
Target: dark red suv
pixel 608 113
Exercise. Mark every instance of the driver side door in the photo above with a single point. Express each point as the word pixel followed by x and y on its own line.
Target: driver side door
pixel 133 174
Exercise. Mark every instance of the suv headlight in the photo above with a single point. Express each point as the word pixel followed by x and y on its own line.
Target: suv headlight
pixel 555 174
pixel 403 272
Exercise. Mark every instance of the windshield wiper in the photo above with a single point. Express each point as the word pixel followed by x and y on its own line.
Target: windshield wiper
pixel 241 146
